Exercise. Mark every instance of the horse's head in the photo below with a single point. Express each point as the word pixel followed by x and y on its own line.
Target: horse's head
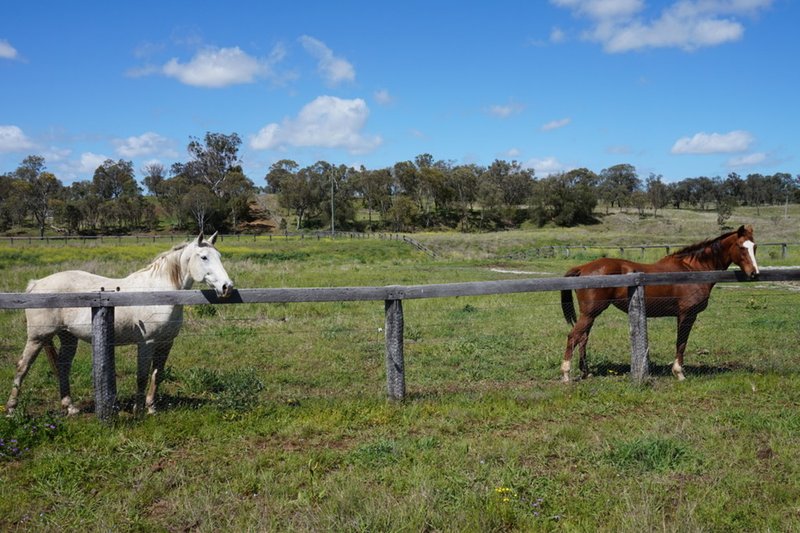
pixel 204 263
pixel 745 253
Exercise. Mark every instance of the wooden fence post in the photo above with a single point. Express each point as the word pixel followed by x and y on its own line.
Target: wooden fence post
pixel 637 317
pixel 103 371
pixel 395 365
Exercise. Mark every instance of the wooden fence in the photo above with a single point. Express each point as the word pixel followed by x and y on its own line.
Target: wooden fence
pixel 564 249
pixel 104 302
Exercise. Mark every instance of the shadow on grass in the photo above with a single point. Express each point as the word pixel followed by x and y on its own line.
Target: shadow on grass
pixel 605 369
pixel 164 403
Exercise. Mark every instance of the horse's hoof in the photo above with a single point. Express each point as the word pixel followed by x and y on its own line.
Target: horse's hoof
pixel 72 410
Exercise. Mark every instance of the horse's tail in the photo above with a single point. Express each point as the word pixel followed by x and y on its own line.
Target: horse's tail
pixel 567 307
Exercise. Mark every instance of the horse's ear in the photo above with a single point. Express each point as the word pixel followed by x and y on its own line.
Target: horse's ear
pixel 745 231
pixel 213 238
pixel 200 239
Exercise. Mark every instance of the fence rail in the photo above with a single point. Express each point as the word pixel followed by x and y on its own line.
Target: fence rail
pixel 564 249
pixel 103 302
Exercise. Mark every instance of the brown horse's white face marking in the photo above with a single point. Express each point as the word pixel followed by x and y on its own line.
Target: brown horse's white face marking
pixel 750 248
pixel 747 252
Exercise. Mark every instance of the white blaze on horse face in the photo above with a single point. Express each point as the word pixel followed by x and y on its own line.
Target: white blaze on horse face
pixel 750 246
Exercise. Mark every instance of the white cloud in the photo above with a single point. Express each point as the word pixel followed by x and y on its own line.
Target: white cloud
pixel 713 143
pixel 511 153
pixel 546 166
pixel 556 124
pixel 622 25
pixel 7 51
pixel 748 160
pixel 54 154
pixel 333 69
pixel 505 111
pixel 89 162
pixel 557 35
pixel 146 144
pixel 602 9
pixel 13 139
pixel 327 122
pixel 214 68
pixel 383 97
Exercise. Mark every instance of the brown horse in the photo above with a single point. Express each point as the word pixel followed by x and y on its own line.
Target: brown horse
pixel 681 301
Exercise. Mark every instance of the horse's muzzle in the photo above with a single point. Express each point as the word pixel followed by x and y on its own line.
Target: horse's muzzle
pixel 227 290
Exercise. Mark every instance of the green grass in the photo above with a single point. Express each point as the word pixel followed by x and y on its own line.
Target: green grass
pixel 274 417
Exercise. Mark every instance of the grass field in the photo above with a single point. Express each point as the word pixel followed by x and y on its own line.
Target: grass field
pixel 274 417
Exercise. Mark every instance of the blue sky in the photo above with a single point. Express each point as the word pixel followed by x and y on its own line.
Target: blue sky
pixel 678 88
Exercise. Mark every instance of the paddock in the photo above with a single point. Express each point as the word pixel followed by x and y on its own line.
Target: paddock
pixel 104 302
pixel 274 416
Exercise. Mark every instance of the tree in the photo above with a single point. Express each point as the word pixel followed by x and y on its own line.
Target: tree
pixel 213 160
pixel 617 184
pixel 301 192
pixel 154 176
pixel 114 180
pixel 407 178
pixel 199 201
pixel 337 206
pixel 565 199
pixel 402 213
pixel 755 191
pixel 514 183
pixel 237 191
pixel 464 182
pixel 375 189
pixel 725 211
pixel 13 200
pixel 279 171
pixel 657 193
pixel 42 188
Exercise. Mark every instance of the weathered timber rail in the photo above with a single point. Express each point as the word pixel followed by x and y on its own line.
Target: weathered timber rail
pixel 104 302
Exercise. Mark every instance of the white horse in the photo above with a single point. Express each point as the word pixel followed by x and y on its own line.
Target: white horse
pixel 152 328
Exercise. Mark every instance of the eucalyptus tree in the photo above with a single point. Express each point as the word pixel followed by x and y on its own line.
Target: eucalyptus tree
pixel 565 199
pixel 375 189
pixel 41 189
pixel 657 193
pixel 617 184
pixel 213 160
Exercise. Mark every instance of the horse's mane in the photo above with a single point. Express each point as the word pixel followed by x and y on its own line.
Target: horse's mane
pixel 699 247
pixel 171 261
pixel 167 259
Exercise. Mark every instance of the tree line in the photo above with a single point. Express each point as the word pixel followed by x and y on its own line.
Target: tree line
pixel 428 193
pixel 211 192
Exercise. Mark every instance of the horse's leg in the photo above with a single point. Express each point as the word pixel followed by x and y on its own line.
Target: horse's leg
pixel 578 338
pixel 685 324
pixel 29 353
pixel 62 364
pixel 160 354
pixel 144 361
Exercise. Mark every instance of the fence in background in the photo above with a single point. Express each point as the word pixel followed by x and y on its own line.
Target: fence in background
pixel 104 302
pixel 565 250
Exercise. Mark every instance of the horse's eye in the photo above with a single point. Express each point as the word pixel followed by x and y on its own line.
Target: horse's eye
pixel 204 257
